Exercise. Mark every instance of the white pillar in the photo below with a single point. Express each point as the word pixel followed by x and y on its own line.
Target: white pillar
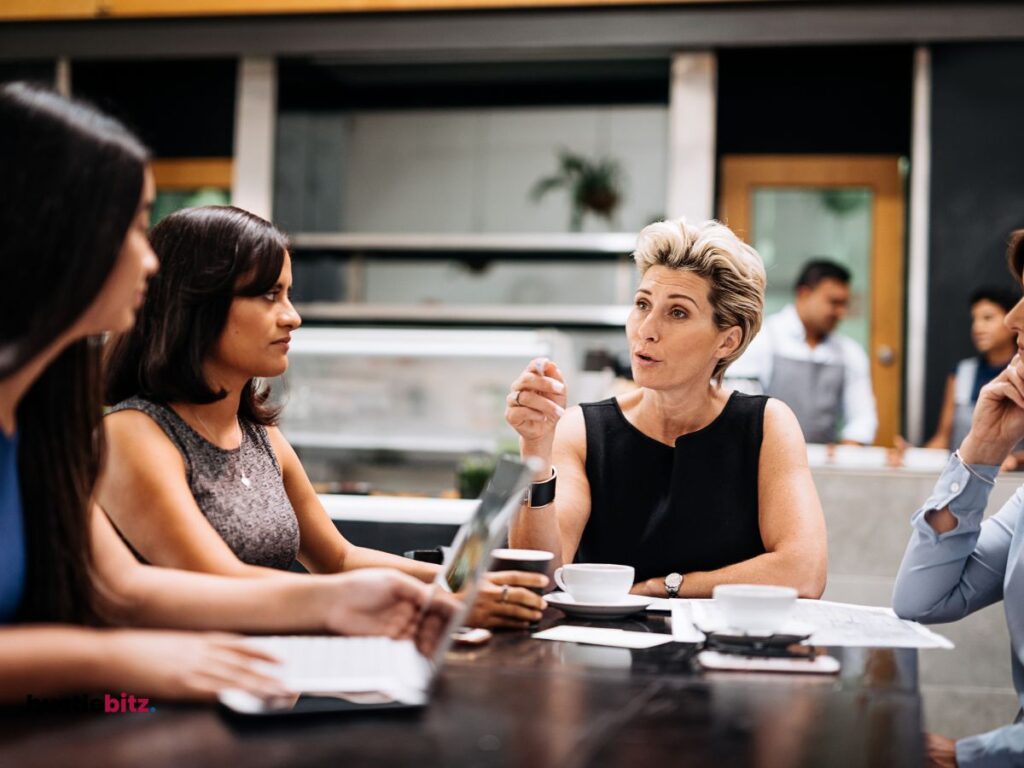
pixel 691 152
pixel 252 184
pixel 62 78
pixel 917 268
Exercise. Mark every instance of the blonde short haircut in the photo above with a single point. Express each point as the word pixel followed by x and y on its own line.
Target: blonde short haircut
pixel 734 271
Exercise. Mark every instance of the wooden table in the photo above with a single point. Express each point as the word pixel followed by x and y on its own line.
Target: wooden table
pixel 531 703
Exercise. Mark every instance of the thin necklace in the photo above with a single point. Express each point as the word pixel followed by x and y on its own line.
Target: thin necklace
pixel 209 436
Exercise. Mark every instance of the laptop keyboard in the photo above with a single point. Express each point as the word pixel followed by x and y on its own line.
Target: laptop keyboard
pixel 314 664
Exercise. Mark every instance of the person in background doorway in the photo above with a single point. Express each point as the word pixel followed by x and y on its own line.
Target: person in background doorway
pixel 800 359
pixel 996 346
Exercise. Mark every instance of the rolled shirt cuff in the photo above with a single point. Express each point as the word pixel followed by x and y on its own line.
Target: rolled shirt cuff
pixel 965 491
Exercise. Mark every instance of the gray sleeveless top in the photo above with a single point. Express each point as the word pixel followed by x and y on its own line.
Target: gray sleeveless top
pixel 256 519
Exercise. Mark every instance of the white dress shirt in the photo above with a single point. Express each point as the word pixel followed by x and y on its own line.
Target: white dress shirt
pixel 784 334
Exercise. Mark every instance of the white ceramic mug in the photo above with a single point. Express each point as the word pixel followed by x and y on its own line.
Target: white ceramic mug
pixel 595 582
pixel 754 607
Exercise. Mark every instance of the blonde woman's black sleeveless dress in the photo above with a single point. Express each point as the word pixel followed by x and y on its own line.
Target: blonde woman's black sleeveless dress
pixel 664 509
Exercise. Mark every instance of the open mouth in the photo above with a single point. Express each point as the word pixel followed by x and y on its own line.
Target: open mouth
pixel 645 358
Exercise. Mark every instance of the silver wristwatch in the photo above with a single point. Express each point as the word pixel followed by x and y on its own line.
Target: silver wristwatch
pixel 672 584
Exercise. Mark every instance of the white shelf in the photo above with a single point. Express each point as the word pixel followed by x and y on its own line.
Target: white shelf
pixel 405 443
pixel 608 243
pixel 415 342
pixel 526 314
pixel 398 509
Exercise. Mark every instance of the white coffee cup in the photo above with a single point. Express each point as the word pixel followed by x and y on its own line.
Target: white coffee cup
pixel 754 607
pixel 595 582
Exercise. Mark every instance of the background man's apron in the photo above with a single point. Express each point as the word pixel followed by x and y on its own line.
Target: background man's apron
pixel 815 393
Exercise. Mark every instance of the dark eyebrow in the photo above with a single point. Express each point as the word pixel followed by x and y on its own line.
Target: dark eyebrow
pixel 671 296
pixel 682 296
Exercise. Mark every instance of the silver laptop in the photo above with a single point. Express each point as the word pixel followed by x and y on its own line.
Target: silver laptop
pixel 348 673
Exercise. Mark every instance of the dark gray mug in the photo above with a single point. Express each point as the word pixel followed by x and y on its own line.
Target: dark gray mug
pixel 532 560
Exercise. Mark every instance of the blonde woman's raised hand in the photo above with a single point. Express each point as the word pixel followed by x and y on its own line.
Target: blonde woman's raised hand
pixel 535 404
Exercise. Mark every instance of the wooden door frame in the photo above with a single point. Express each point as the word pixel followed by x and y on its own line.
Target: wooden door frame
pixel 741 174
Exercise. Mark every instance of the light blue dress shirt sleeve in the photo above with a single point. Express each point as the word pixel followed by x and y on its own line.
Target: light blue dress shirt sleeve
pixel 946 577
pixel 995 749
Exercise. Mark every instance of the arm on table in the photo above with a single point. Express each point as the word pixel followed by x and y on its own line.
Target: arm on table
pixel 323 548
pixel 370 602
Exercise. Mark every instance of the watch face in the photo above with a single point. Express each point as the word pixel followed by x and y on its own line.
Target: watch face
pixel 673 580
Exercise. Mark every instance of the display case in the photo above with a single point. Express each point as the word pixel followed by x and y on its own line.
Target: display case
pixel 365 403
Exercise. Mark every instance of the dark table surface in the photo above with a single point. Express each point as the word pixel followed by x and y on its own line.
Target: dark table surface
pixel 523 702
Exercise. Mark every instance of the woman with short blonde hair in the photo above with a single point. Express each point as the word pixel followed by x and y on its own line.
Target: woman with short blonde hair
pixel 689 483
pixel 734 271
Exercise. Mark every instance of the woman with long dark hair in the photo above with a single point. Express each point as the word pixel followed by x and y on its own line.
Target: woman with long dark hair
pixel 74 213
pixel 192 433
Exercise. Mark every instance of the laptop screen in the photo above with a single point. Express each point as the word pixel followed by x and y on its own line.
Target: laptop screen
pixel 477 537
pixel 471 549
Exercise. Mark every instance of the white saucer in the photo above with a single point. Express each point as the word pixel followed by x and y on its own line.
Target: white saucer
pixel 797 628
pixel 627 606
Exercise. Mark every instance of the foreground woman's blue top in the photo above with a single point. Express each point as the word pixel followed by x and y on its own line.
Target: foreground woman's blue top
pixel 945 577
pixel 12 532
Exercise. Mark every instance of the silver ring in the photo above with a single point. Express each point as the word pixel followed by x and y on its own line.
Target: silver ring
pixel 504 594
pixel 518 393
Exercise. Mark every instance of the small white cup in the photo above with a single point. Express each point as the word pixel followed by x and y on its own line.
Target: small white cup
pixel 754 607
pixel 595 582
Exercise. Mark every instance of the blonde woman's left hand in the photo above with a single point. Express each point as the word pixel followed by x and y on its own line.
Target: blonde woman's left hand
pixel 505 600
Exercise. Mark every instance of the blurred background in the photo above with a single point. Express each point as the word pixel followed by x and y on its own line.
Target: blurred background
pixel 463 180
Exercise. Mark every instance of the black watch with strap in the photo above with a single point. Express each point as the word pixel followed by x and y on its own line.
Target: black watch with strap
pixel 543 493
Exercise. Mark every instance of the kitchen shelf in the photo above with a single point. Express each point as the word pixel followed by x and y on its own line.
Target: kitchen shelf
pixel 558 315
pixel 617 244
pixel 398 509
pixel 419 343
pixel 455 445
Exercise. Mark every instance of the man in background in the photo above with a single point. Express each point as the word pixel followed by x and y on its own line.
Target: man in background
pixel 799 358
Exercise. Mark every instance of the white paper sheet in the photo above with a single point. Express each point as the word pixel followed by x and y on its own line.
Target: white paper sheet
pixel 835 624
pixel 617 638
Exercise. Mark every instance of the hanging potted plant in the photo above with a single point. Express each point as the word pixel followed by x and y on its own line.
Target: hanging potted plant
pixel 593 186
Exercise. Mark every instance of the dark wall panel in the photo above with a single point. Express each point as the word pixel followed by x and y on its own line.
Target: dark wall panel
pixel 180 108
pixel 41 72
pixel 977 192
pixel 841 99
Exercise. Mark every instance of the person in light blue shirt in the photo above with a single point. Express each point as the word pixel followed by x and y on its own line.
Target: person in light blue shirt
pixel 956 563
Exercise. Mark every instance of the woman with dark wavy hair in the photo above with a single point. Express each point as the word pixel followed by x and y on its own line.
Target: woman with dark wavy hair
pixel 74 213
pixel 192 434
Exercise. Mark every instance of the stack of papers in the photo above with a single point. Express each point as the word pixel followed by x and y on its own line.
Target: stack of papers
pixel 835 624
